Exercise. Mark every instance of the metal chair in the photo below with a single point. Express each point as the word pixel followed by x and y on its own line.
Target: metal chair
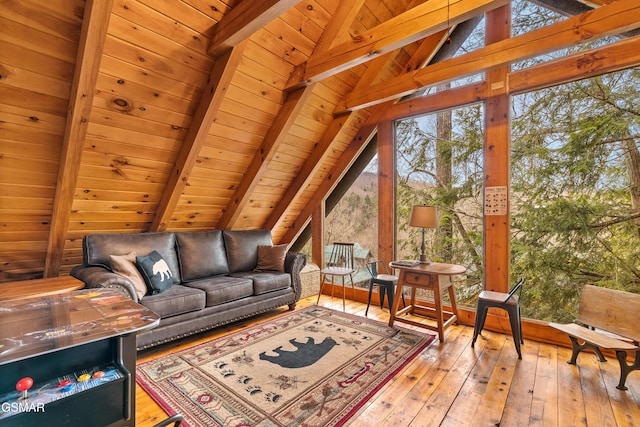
pixel 510 303
pixel 176 420
pixel 340 264
pixel 386 282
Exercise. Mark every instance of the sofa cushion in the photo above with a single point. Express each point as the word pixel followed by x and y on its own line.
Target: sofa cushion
pixel 155 271
pixel 201 254
pixel 221 289
pixel 264 282
pixel 97 248
pixel 271 258
pixel 176 300
pixel 242 248
pixel 125 265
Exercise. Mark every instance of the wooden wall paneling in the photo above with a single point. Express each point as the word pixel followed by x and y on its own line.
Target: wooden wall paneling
pixel 249 123
pixel 291 107
pixel 100 133
pixel 219 80
pixel 299 21
pixel 20 33
pixel 34 61
pixel 127 73
pixel 154 63
pixel 145 39
pixel 23 119
pixel 257 87
pixel 118 87
pixel 115 173
pixel 246 113
pixel 59 19
pixel 262 64
pixel 317 12
pixel 94 30
pixel 282 40
pixel 20 137
pixel 308 169
pixel 610 19
pixel 33 81
pixel 126 122
pixel 188 15
pixel 214 9
pixel 134 108
pixel 162 24
pixel 229 149
pixel 259 101
pixel 330 181
pixel 234 140
pixel 30 100
pixel 111 215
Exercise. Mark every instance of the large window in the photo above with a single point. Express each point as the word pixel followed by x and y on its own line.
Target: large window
pixel 575 175
pixel 439 162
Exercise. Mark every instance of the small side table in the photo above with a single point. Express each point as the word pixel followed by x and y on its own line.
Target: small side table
pixel 39 287
pixel 426 276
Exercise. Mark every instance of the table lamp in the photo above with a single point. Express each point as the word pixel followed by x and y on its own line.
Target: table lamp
pixel 425 217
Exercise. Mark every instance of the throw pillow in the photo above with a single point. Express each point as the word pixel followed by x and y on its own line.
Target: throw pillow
pixel 125 265
pixel 271 258
pixel 155 271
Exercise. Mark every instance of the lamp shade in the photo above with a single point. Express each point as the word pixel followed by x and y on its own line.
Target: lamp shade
pixel 423 216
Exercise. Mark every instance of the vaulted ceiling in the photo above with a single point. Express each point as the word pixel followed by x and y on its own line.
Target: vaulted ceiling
pixel 147 115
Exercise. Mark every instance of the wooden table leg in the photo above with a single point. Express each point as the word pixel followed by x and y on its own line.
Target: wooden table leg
pixel 437 300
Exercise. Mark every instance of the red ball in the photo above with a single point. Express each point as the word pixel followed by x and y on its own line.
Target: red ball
pixel 24 384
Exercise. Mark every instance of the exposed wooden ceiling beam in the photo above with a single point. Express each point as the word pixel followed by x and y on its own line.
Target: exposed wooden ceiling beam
pixel 279 129
pixel 408 27
pixel 344 14
pixel 243 20
pixel 428 47
pixel 611 19
pixel 219 80
pixel 607 59
pixel 228 44
pixel 90 46
pixel 618 56
pixel 341 19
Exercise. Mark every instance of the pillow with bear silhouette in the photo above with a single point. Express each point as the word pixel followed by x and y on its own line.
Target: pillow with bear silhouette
pixel 157 274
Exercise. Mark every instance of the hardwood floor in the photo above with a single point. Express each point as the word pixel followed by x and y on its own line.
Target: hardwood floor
pixel 452 384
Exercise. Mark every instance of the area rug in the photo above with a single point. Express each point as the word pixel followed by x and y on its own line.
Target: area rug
pixel 309 367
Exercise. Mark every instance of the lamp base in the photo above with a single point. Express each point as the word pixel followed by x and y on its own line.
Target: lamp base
pixel 424 260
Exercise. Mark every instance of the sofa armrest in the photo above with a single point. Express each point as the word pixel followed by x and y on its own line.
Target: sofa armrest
pixel 294 262
pixel 100 277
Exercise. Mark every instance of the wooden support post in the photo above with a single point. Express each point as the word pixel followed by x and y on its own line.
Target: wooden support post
pixel 386 192
pixel 317 235
pixel 496 161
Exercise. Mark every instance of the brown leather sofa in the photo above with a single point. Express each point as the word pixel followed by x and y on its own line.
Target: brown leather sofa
pixel 214 278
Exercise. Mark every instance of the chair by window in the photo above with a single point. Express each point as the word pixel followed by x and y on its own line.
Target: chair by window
pixel 340 264
pixel 510 302
pixel 387 283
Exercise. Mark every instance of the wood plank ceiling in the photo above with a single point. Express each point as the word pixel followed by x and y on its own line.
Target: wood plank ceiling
pixel 146 115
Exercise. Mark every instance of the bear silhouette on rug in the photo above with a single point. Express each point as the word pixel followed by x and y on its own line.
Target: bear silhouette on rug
pixel 305 354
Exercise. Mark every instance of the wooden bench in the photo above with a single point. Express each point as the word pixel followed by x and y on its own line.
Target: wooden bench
pixel 608 320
